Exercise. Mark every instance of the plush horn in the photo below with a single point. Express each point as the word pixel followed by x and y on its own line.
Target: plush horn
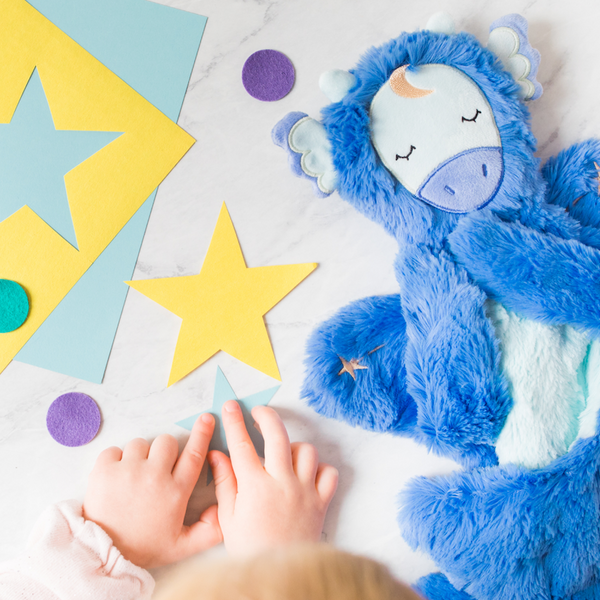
pixel 401 87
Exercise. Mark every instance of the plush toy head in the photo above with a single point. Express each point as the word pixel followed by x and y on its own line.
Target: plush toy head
pixel 430 119
pixel 434 130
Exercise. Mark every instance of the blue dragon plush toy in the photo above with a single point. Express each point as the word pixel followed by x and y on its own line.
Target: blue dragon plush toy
pixel 489 353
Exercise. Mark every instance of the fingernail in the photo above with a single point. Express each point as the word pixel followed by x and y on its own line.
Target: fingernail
pixel 207 418
pixel 231 406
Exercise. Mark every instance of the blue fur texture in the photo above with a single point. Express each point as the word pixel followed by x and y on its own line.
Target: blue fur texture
pixel 437 587
pixel 510 532
pixel 498 532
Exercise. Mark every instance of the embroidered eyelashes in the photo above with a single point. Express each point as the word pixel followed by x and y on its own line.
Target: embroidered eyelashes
pixel 477 113
pixel 408 155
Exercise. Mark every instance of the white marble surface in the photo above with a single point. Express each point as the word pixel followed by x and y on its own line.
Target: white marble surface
pixel 278 221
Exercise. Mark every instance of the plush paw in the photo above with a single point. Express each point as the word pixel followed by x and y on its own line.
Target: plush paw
pixel 355 367
pixel 573 178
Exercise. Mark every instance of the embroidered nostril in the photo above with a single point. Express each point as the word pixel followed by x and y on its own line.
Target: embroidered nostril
pixel 484 169
pixel 449 190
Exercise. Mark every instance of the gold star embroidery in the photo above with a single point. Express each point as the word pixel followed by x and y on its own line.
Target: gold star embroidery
pixel 350 366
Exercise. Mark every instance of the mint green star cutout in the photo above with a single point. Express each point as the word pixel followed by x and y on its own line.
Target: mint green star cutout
pixel 34 158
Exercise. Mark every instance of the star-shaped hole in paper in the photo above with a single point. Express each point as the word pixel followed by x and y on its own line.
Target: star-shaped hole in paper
pixel 34 158
pixel 223 393
pixel 223 307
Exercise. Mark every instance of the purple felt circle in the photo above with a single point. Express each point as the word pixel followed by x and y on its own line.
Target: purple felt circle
pixel 268 75
pixel 73 419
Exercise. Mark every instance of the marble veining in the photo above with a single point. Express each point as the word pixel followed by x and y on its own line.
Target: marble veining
pixel 278 221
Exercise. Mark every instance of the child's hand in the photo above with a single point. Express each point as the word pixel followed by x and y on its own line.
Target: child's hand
pixel 283 502
pixel 139 497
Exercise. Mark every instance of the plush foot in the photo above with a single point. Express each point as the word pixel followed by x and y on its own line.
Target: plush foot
pixel 510 532
pixel 355 366
pixel 437 587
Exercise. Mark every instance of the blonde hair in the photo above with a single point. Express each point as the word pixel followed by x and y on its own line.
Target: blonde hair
pixel 300 572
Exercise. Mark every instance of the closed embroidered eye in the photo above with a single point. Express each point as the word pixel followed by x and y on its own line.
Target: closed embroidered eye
pixel 477 113
pixel 408 155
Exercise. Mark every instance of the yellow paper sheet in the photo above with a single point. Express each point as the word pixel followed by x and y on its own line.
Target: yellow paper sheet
pixel 222 308
pixel 104 191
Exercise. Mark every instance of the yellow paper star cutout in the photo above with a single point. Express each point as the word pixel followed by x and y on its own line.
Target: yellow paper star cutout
pixel 222 308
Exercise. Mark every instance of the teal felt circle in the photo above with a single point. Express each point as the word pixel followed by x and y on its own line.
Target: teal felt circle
pixel 14 305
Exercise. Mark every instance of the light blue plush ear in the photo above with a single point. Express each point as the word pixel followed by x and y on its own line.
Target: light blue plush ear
pixel 441 22
pixel 336 84
pixel 508 41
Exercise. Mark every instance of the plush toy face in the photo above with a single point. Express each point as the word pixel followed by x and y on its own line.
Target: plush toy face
pixel 434 130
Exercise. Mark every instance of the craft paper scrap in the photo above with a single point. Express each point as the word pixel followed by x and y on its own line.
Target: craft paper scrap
pixel 152 48
pixel 73 419
pixel 34 158
pixel 82 349
pixel 105 190
pixel 223 393
pixel 268 75
pixel 223 307
pixel 14 305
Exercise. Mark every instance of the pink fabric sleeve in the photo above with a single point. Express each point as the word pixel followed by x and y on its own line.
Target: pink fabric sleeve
pixel 69 558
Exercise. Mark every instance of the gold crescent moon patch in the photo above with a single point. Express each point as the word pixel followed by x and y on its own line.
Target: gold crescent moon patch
pixel 401 87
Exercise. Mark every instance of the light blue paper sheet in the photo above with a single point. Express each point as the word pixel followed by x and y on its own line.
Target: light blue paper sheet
pixel 153 48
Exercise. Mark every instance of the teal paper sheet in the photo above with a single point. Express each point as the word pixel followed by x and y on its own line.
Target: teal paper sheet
pixel 153 48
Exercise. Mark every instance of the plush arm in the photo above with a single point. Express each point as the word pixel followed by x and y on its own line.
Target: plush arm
pixel 451 358
pixel 69 558
pixel 541 276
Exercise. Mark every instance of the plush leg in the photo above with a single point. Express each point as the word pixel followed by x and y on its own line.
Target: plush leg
pixel 508 532
pixel 355 366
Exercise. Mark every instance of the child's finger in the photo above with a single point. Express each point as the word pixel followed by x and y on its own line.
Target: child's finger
pixel 163 452
pixel 110 455
pixel 136 449
pixel 244 459
pixel 187 468
pixel 200 536
pixel 278 454
pixel 225 481
pixel 326 482
pixel 306 462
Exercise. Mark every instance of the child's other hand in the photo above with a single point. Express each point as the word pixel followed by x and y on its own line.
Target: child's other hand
pixel 283 502
pixel 139 497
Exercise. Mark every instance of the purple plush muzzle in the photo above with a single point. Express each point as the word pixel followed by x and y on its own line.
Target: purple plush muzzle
pixel 465 182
